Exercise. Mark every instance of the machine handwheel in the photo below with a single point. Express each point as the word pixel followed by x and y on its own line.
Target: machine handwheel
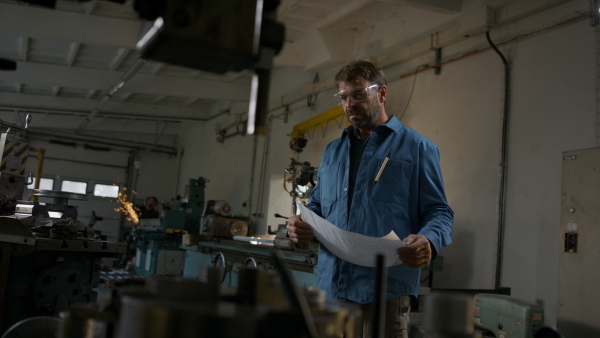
pixel 221 264
pixel 250 262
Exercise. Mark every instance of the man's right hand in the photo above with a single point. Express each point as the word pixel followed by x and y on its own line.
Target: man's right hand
pixel 298 230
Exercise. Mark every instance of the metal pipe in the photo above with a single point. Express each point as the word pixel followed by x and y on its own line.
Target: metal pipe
pixel 380 297
pixel 139 117
pixel 118 143
pixel 46 158
pixel 11 125
pixel 139 63
pixel 297 301
pixel 328 84
pixel 38 170
pixel 503 163
pixel 263 168
pixel 252 174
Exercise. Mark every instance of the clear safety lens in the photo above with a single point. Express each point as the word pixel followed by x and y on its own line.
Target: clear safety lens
pixel 356 95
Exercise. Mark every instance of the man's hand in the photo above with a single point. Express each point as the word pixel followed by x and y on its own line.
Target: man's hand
pixel 298 230
pixel 417 252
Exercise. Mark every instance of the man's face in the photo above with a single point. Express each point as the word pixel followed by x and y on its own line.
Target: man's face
pixel 364 114
pixel 150 203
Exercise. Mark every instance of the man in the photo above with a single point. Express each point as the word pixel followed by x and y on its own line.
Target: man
pixel 378 176
pixel 148 210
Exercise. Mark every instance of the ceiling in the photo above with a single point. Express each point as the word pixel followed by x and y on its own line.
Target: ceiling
pixel 79 72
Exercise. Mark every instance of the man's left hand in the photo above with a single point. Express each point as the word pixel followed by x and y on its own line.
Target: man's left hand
pixel 417 252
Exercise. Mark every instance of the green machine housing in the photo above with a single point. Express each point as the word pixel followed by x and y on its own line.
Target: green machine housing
pixel 507 317
pixel 189 218
pixel 158 246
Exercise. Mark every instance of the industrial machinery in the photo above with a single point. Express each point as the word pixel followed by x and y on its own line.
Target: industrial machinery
pixel 158 240
pixel 507 317
pixel 15 149
pixel 267 303
pixel 217 36
pixel 218 222
pixel 224 243
pixel 231 255
pixel 50 260
pixel 302 180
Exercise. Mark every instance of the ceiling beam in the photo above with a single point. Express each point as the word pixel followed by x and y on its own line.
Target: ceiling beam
pixel 443 6
pixel 114 107
pixel 23 48
pixel 118 58
pixel 73 77
pixel 37 22
pixel 72 53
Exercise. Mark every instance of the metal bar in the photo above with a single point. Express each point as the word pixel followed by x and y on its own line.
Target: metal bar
pixel 38 170
pixel 113 142
pixel 503 163
pixel 297 301
pixel 76 161
pixel 380 297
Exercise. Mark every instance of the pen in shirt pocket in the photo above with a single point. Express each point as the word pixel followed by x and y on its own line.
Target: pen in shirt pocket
pixel 385 160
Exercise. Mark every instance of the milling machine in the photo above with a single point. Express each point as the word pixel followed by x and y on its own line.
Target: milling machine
pixel 267 303
pixel 50 260
pixel 505 316
pixel 158 240
pixel 224 242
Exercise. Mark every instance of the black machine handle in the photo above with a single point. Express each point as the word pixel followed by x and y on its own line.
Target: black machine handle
pixel 271 232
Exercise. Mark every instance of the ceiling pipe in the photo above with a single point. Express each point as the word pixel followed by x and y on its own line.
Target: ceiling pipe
pixel 140 117
pixel 141 146
pixel 502 186
pixel 139 63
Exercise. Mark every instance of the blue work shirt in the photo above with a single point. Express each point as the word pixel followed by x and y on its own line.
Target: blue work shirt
pixel 408 198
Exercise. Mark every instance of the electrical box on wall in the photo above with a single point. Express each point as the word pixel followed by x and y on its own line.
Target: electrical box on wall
pixel 571 242
pixel 579 234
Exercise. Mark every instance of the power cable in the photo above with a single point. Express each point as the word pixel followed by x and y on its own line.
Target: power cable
pixel 411 91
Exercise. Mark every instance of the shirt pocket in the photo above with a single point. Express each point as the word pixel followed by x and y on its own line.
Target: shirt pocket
pixel 328 177
pixel 394 183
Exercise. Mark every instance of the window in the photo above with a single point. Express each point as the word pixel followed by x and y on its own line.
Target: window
pixel 106 190
pixel 45 184
pixel 74 186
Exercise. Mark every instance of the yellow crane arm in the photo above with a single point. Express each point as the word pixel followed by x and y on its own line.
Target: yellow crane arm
pixel 321 120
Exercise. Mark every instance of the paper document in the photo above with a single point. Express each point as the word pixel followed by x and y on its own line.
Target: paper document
pixel 350 246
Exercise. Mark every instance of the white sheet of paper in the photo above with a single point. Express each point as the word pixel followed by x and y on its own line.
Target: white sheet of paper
pixel 350 246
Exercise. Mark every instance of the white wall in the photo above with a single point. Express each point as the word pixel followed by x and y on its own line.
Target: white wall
pixel 157 176
pixel 553 110
pixel 227 166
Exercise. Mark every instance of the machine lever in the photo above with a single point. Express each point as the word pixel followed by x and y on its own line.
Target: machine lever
pixel 280 216
pixel 297 301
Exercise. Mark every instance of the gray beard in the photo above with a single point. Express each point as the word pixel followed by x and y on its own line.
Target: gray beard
pixel 372 118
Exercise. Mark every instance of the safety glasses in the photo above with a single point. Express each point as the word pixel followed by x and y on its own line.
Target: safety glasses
pixel 356 95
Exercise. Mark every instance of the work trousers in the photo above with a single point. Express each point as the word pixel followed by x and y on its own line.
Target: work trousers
pixel 397 313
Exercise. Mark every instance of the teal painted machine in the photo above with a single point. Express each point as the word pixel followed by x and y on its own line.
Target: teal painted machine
pixel 195 205
pixel 158 241
pixel 230 255
pixel 507 317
